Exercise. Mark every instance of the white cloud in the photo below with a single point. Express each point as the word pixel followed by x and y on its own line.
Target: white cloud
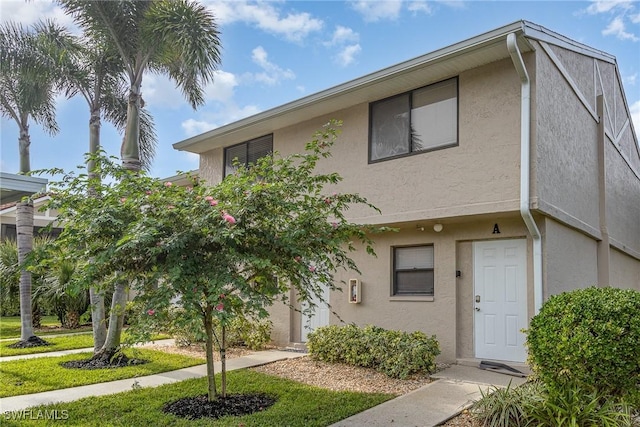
pixel 634 18
pixel 343 35
pixel 159 91
pixel 266 16
pixel 272 73
pixel 222 87
pixel 194 127
pixel 617 28
pixel 373 11
pixel 347 55
pixel 419 6
pixel 630 79
pixel 29 12
pixel 599 6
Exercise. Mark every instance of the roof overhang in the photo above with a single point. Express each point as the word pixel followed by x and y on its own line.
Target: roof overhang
pixel 14 187
pixel 430 68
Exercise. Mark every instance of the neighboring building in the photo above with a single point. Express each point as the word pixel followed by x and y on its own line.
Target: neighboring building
pixel 437 143
pixel 41 219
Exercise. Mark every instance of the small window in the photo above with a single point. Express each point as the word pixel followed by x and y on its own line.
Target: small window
pixel 413 271
pixel 247 153
pixel 421 120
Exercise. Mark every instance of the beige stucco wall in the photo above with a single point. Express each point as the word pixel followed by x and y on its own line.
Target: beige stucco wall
pixel 480 175
pixel 451 308
pixel 625 271
pixel 569 259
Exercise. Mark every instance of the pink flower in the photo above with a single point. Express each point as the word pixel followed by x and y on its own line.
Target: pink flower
pixel 122 200
pixel 327 201
pixel 334 224
pixel 312 268
pixel 168 184
pixel 220 307
pixel 208 198
pixel 170 207
pixel 228 218
pixel 213 202
pixel 148 192
pixel 151 312
pixel 222 296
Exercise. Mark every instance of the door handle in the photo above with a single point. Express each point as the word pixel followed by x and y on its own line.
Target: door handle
pixel 477 298
pixel 477 308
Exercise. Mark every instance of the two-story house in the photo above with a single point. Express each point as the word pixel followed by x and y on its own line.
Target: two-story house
pixel 507 161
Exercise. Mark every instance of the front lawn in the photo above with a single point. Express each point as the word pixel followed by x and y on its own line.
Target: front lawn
pixel 10 327
pixel 42 374
pixel 69 342
pixel 297 405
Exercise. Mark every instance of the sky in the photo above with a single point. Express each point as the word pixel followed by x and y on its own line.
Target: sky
pixel 274 52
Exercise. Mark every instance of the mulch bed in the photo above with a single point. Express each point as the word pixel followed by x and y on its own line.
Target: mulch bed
pixel 32 341
pixel 234 404
pixel 118 361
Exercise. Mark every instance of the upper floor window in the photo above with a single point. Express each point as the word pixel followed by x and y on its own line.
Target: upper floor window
pixel 420 120
pixel 246 153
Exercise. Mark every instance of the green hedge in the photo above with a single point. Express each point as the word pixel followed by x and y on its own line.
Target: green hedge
pixel 397 354
pixel 589 336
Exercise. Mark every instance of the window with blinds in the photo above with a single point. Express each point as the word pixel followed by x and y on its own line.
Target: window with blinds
pixel 413 270
pixel 246 153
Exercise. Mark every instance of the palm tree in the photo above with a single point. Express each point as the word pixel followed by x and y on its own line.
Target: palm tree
pixel 178 38
pixel 99 78
pixel 31 63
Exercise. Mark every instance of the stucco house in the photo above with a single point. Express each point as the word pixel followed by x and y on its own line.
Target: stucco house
pixel 507 161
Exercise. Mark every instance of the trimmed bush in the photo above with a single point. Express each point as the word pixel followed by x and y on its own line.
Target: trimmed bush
pixel 397 354
pixel 591 337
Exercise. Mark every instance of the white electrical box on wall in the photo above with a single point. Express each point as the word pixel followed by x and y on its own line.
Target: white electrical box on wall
pixel 355 292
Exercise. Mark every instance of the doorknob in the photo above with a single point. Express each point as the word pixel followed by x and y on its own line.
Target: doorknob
pixel 477 308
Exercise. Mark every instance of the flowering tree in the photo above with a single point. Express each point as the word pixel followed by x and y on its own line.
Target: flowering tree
pixel 220 251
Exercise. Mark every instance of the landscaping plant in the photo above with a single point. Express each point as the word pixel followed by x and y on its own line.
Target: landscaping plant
pixel 219 252
pixel 397 354
pixel 589 337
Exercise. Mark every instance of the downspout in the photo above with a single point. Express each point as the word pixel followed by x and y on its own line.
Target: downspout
pixel 525 168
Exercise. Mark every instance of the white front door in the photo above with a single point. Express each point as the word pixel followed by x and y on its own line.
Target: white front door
pixel 500 299
pixel 320 316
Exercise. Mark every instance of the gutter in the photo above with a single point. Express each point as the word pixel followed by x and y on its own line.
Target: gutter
pixel 525 168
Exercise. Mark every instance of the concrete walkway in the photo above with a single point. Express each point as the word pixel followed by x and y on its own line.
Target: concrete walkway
pixel 455 388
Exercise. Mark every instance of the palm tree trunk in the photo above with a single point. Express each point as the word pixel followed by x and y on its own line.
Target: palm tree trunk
pixel 116 323
pixel 96 296
pixel 24 230
pixel 130 151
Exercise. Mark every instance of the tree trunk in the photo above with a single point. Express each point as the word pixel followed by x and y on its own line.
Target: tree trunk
pixel 96 296
pixel 98 321
pixel 24 230
pixel 223 360
pixel 130 151
pixel 116 322
pixel 211 379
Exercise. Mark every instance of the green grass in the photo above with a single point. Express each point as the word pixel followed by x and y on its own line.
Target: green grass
pixel 297 405
pixel 70 342
pixel 10 327
pixel 57 344
pixel 43 374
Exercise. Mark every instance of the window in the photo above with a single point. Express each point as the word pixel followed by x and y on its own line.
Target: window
pixel 416 121
pixel 413 271
pixel 247 152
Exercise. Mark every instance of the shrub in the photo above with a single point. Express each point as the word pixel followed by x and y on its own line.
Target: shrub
pixel 534 404
pixel 506 407
pixel 590 337
pixel 572 405
pixel 241 332
pixel 397 354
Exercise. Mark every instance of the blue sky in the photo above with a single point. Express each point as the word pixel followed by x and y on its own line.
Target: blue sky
pixel 274 52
